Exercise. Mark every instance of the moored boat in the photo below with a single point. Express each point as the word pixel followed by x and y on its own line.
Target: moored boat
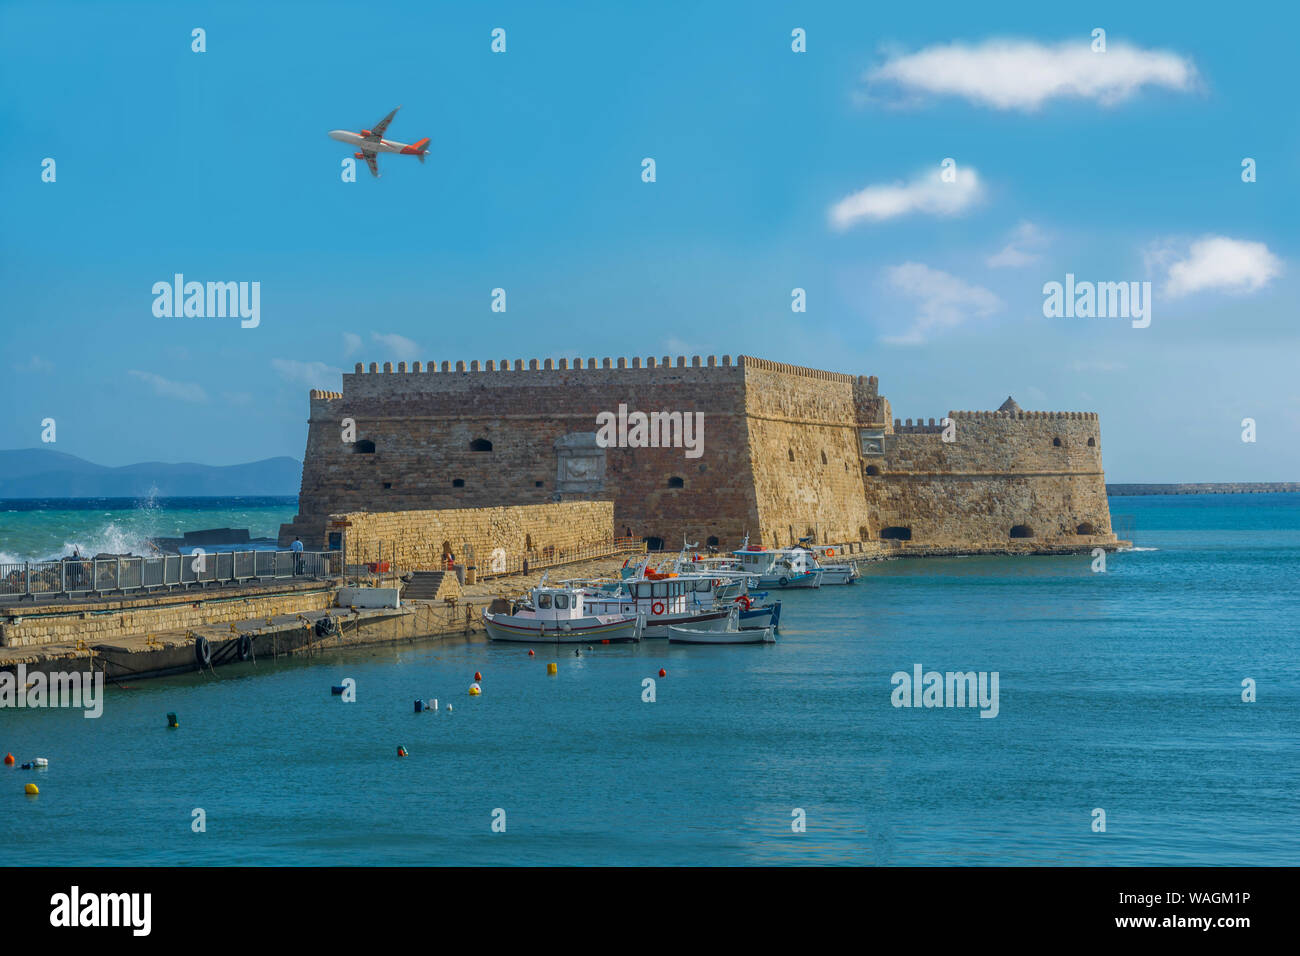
pixel 559 615
pixel 729 633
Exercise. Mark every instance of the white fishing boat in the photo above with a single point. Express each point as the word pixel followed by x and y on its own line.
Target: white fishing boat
pixel 560 615
pixel 663 600
pixel 729 633
pixel 781 567
pixel 832 573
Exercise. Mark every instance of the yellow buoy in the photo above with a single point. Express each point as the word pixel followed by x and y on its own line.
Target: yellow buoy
pixel 474 690
pixel 32 789
pixel 552 668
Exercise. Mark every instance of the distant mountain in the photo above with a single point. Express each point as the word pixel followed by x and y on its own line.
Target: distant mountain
pixel 44 473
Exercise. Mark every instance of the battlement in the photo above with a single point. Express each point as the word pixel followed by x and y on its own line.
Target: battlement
pixel 318 393
pixel 580 364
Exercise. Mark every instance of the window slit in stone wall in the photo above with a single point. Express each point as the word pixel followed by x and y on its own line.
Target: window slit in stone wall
pixel 1092 443
pixel 480 444
pixel 1056 442
pixel 791 453
pixel 363 447
pixel 388 484
pixel 458 482
pixel 675 482
pixel 537 484
pixel 872 470
pixel 823 458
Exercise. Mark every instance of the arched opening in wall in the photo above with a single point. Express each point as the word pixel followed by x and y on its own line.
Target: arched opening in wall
pixel 1086 528
pixel 895 533
pixel 790 452
pixel 872 470
pixel 1092 443
pixel 864 533
pixel 1022 531
pixel 364 447
pixel 823 458
pixel 713 541
pixel 676 482
pixel 480 444
pixel 458 482
pixel 528 542
pixel 653 544
pixel 1056 442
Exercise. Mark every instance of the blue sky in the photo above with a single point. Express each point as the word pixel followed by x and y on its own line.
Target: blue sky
pixel 217 165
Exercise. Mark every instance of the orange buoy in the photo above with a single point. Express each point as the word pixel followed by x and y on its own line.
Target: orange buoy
pixel 478 676
pixel 9 760
pixel 401 751
pixel 662 672
pixel 530 652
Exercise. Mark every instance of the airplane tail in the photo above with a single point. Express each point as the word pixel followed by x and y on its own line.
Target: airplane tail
pixel 421 147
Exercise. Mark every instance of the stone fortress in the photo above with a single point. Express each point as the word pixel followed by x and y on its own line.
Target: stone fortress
pixel 505 456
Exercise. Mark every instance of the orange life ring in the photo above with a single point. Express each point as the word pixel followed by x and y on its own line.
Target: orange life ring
pixel 745 601
pixel 830 552
pixel 657 607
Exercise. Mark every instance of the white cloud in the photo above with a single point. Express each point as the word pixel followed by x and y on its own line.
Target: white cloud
pixel 184 391
pixel 1024 74
pixel 310 374
pixel 1219 263
pixel 34 364
pixel 1018 252
pixel 399 347
pixel 943 301
pixel 351 343
pixel 926 193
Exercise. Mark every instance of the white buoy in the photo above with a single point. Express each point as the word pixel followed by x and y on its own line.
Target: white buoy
pixel 449 708
pixel 435 703
pixel 41 762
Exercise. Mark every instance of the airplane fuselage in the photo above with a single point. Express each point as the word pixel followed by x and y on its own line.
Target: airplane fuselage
pixel 369 145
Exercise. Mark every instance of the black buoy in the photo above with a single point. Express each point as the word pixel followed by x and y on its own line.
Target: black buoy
pixel 172 721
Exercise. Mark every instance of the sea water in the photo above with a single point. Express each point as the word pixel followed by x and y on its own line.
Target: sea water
pixel 1120 691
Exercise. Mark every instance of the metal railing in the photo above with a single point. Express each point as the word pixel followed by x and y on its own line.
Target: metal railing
pixel 82 576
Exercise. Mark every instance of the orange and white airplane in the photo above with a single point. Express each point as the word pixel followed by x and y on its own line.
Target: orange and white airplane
pixel 372 142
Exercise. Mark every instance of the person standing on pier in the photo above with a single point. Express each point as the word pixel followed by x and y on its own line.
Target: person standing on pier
pixel 296 547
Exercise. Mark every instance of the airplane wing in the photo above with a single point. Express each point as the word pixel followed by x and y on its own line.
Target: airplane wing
pixel 374 166
pixel 377 131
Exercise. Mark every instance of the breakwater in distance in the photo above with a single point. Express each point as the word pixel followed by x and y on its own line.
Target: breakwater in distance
pixel 1207 488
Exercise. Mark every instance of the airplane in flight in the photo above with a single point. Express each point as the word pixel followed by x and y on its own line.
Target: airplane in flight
pixel 372 142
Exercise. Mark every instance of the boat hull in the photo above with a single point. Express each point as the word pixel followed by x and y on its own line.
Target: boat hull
pixel 504 627
pixel 808 579
pixel 685 635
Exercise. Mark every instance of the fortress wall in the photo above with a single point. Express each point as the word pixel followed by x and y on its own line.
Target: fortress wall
pixel 422 424
pixel 415 539
pixel 1002 470
pixel 806 469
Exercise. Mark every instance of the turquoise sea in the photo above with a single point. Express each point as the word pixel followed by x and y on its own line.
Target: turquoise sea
pixel 1119 691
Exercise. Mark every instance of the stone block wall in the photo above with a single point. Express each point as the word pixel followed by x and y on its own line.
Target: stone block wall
pixel 416 540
